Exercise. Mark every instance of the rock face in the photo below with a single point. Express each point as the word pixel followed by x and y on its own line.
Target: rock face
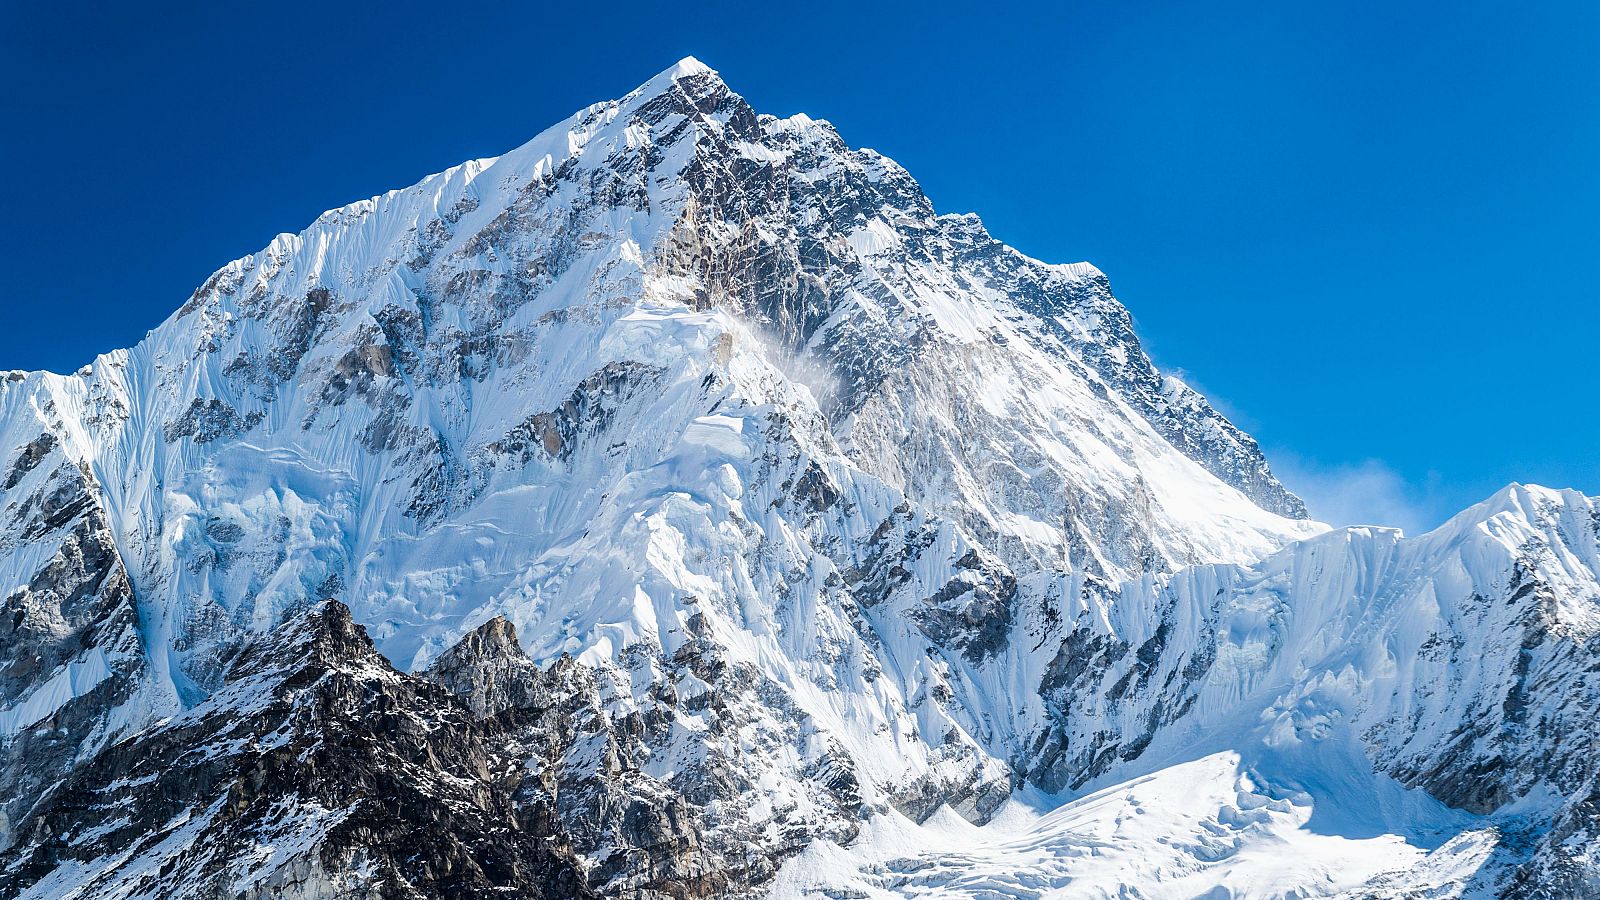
pixel 601 759
pixel 713 500
pixel 316 770
pixel 1463 662
pixel 70 651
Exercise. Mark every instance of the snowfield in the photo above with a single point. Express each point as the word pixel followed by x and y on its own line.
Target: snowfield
pixel 1209 827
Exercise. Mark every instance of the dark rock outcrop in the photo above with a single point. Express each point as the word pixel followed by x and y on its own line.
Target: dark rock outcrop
pixel 316 771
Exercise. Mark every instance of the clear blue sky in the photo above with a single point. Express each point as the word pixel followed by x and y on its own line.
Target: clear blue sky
pixel 1371 232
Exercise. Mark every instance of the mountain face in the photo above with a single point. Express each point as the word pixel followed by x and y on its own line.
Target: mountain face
pixel 677 506
pixel 315 770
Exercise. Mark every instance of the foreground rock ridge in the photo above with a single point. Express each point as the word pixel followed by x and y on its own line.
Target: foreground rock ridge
pixel 677 506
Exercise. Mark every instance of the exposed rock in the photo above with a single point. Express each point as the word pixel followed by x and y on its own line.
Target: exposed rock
pixel 317 771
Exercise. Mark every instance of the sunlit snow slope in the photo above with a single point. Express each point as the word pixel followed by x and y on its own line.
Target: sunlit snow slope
pixel 811 509
pixel 1305 725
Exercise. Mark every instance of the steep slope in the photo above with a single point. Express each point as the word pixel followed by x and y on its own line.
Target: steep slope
pixel 378 385
pixel 316 771
pixel 1339 697
pixel 704 398
pixel 71 659
pixel 1460 658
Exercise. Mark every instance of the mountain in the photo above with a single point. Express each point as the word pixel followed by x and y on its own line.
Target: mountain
pixel 317 770
pixel 678 506
pixel 1402 717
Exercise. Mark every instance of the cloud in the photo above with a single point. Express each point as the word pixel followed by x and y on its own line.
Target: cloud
pixel 1364 493
pixel 1369 492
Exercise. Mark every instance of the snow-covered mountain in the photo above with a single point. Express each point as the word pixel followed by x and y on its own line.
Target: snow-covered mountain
pixel 724 520
pixel 1357 715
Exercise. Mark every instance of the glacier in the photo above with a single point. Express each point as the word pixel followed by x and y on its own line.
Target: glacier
pixel 704 506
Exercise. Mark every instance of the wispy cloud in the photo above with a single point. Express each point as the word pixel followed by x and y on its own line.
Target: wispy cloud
pixel 1364 493
pixel 1368 492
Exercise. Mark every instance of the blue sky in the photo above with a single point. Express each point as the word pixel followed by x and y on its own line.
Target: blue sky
pixel 1372 235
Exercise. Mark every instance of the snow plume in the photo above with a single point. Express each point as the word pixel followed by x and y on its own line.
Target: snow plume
pixel 798 367
pixel 1366 493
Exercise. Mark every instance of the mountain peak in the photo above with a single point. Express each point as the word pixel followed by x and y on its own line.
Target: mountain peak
pixel 689 74
pixel 687 66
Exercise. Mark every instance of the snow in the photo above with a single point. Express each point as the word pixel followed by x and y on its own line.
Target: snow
pixel 67 683
pixel 131 873
pixel 1208 827
pixel 877 237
